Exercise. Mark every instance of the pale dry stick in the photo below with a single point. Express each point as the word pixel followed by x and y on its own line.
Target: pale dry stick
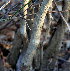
pixel 5 5
pixel 62 16
pixel 63 59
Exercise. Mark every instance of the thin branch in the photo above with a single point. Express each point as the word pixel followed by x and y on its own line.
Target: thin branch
pixel 6 42
pixel 62 16
pixel 63 59
pixel 3 26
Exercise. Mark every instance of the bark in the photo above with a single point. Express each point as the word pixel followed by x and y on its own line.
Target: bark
pixel 15 51
pixel 1 64
pixel 30 22
pixel 23 27
pixel 35 37
pixel 40 1
pixel 36 59
pixel 20 36
pixel 45 38
pixel 23 34
pixel 49 19
pixel 49 52
pixel 39 51
pixel 66 15
pixel 66 66
pixel 55 44
pixel 66 6
pixel 41 56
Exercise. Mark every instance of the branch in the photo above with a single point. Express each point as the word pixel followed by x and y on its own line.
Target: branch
pixel 5 42
pixel 63 59
pixel 61 35
pixel 62 16
pixel 35 37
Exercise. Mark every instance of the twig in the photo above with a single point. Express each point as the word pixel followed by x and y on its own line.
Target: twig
pixel 62 16
pixel 5 4
pixel 4 25
pixel 6 42
pixel 63 59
